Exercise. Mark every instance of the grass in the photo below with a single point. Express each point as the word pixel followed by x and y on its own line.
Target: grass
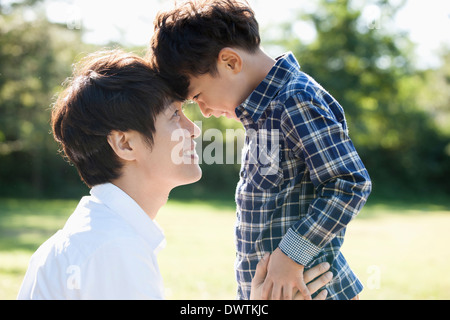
pixel 401 253
pixel 399 250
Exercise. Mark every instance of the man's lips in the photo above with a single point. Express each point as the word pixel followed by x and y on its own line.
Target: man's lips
pixel 190 152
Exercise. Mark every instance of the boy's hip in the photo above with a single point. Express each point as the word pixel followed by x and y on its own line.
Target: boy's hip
pixel 345 284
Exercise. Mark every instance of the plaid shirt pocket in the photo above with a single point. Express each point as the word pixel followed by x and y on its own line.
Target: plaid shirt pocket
pixel 261 155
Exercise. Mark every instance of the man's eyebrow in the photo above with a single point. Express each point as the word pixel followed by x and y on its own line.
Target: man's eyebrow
pixel 169 104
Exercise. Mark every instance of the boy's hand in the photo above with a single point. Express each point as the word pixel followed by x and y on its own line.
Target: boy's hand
pixel 317 273
pixel 284 276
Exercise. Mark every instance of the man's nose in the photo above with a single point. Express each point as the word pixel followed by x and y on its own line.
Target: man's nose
pixel 196 130
pixel 191 128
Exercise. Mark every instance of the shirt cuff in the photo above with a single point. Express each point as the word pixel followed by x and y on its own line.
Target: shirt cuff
pixel 298 248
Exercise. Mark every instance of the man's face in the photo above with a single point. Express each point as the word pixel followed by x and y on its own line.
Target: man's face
pixel 172 160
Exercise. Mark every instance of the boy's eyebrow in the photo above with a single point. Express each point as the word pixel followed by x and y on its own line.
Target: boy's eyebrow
pixel 190 91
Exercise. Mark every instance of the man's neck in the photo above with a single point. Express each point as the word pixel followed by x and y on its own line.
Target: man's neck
pixel 149 197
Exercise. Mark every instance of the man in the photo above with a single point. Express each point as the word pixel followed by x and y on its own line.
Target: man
pixel 114 122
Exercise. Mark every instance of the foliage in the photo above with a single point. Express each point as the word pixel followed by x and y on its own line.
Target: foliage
pixel 398 116
pixel 35 58
pixel 370 71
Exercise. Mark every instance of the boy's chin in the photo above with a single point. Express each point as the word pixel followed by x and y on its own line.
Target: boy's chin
pixel 229 116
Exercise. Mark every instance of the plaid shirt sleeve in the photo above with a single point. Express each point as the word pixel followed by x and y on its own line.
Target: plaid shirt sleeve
pixel 342 183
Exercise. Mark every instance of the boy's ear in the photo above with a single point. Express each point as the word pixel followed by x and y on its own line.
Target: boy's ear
pixel 230 59
pixel 120 142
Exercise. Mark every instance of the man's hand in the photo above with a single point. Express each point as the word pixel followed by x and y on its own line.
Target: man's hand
pixel 313 286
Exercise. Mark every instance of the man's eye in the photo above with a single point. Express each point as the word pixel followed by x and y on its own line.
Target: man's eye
pixel 196 97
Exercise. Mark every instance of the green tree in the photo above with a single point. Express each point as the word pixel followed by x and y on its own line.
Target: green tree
pixel 35 58
pixel 369 70
pixel 434 96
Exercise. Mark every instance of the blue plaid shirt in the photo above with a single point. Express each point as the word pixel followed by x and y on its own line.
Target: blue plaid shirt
pixel 301 179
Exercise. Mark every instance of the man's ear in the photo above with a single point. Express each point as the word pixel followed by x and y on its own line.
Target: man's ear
pixel 120 142
pixel 230 59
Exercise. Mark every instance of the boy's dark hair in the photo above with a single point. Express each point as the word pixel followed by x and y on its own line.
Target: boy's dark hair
pixel 188 38
pixel 109 90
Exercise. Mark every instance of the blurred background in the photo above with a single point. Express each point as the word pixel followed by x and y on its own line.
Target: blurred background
pixel 386 62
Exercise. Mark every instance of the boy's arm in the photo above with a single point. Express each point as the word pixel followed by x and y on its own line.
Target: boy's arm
pixel 340 179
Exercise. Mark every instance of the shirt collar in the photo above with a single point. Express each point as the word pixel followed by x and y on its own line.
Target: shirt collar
pixel 267 90
pixel 123 205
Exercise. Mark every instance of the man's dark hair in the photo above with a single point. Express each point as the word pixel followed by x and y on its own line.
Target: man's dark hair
pixel 109 90
pixel 188 38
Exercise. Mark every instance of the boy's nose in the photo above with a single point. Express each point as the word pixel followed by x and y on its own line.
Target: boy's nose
pixel 204 110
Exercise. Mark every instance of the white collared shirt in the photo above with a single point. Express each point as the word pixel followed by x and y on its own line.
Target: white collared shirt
pixel 106 250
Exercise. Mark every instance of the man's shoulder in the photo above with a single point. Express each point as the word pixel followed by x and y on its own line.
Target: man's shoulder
pixel 90 227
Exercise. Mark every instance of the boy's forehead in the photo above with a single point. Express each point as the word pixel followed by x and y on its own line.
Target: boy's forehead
pixel 197 82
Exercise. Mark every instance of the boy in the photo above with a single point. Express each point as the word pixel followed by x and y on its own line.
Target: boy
pixel 296 200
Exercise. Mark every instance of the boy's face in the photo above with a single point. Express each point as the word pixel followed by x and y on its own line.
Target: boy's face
pixel 171 160
pixel 218 95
